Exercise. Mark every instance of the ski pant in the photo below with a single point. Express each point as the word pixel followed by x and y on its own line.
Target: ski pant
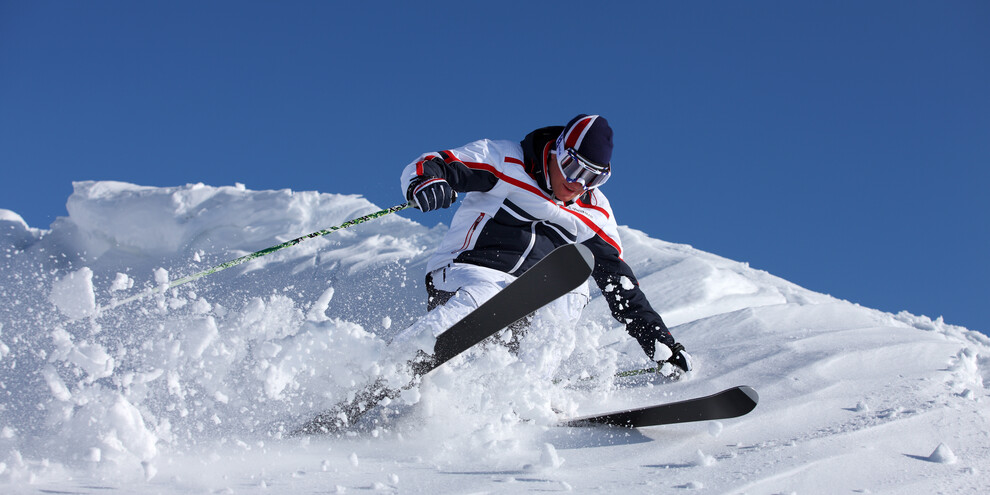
pixel 459 288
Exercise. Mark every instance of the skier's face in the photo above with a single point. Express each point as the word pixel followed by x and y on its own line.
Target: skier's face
pixel 562 190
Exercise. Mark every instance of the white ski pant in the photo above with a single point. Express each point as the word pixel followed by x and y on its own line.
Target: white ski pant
pixel 472 285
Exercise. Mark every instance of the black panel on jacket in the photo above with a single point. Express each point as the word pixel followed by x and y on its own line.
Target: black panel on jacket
pixel 459 176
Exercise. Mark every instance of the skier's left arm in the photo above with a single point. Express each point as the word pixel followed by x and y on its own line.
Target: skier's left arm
pixel 629 305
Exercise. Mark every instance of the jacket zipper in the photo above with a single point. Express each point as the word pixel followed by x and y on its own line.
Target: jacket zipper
pixel 470 232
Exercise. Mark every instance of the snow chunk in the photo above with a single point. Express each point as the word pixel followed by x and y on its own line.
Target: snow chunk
pixel 128 431
pixel 73 295
pixel 93 359
pixel 549 457
pixel 161 276
pixel 55 383
pixel 661 352
pixel 702 459
pixel 121 282
pixel 318 312
pixel 90 357
pixel 149 470
pixel 943 455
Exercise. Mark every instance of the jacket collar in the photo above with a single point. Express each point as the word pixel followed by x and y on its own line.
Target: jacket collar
pixel 536 155
pixel 536 151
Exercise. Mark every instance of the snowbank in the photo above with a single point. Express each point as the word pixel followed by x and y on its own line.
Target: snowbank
pixel 230 355
pixel 14 232
pixel 190 389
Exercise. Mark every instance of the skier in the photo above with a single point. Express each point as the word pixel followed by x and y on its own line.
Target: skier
pixel 520 201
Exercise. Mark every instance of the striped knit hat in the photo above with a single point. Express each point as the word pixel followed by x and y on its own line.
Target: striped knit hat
pixel 590 136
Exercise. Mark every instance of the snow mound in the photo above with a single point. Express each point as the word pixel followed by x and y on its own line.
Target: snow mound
pixel 192 388
pixel 943 455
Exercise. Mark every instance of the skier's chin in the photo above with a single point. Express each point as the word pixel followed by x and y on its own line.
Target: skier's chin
pixel 568 195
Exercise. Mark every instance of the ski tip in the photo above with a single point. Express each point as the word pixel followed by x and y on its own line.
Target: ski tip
pixel 751 393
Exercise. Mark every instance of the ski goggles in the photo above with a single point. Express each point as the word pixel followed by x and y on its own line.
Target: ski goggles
pixel 577 169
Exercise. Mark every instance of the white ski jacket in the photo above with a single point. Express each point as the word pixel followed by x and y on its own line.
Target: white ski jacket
pixel 508 219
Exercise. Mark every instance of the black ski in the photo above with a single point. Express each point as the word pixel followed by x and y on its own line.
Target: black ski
pixel 729 403
pixel 558 273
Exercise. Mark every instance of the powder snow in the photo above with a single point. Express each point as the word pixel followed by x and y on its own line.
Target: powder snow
pixel 190 389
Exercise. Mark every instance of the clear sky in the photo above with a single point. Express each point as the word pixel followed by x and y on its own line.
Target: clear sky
pixel 842 145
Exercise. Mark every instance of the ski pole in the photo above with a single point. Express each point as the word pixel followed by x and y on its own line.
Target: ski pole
pixel 644 371
pixel 256 254
pixel 620 374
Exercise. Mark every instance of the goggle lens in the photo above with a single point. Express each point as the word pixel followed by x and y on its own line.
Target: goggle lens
pixel 584 172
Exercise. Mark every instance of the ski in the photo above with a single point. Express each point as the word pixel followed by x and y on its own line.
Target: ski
pixel 729 403
pixel 561 271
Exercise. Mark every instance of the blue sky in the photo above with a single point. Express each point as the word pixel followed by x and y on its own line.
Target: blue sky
pixel 842 145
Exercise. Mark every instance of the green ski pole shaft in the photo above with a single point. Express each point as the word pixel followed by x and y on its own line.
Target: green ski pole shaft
pixel 644 371
pixel 257 254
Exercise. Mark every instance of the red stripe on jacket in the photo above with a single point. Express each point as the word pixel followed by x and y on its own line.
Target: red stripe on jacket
pixel 593 207
pixel 535 190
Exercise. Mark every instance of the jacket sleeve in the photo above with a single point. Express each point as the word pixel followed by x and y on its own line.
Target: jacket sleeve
pixel 466 169
pixel 625 299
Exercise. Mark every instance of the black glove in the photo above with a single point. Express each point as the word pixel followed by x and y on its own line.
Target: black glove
pixel 430 193
pixel 678 358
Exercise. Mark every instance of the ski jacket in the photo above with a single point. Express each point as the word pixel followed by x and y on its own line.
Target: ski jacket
pixel 508 219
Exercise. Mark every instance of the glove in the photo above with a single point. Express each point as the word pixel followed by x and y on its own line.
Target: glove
pixel 675 356
pixel 430 193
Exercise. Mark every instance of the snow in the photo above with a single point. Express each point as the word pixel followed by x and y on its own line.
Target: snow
pixel 942 455
pixel 191 388
pixel 73 294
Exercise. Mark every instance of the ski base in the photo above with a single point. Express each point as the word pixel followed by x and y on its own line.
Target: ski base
pixel 729 403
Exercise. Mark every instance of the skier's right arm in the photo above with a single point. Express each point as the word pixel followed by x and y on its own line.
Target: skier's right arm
pixel 430 182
